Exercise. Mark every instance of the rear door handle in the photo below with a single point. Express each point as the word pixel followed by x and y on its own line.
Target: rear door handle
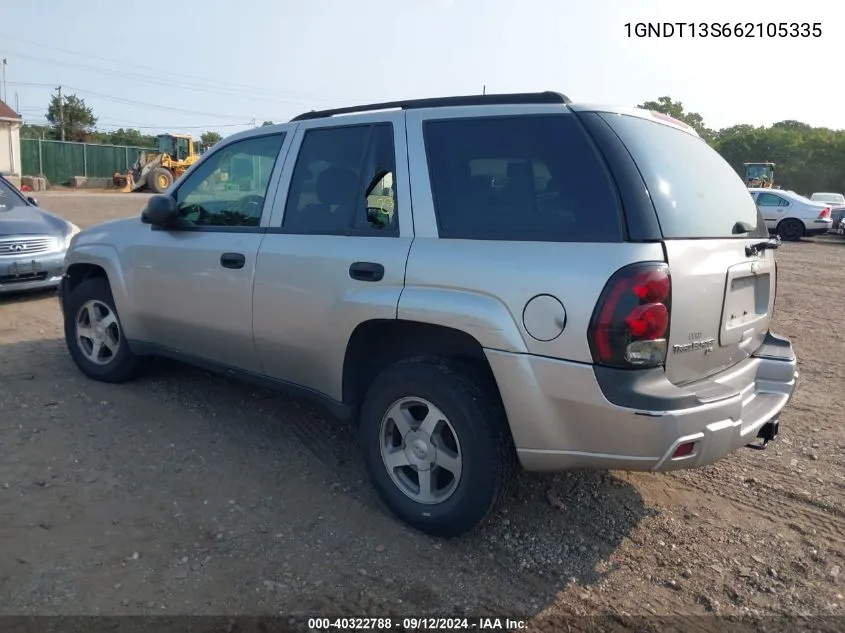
pixel 232 260
pixel 366 271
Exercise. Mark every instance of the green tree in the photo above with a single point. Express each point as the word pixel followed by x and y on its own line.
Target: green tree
pixel 71 115
pixel 36 131
pixel 267 123
pixel 210 138
pixel 131 137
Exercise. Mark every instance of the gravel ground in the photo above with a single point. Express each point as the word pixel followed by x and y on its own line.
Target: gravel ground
pixel 187 493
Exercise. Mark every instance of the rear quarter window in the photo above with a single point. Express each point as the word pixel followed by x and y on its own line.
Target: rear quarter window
pixel 695 192
pixel 535 178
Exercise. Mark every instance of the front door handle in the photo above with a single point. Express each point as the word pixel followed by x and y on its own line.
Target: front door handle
pixel 232 260
pixel 366 271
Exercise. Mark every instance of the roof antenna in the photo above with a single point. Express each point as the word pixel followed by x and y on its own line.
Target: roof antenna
pixel 484 90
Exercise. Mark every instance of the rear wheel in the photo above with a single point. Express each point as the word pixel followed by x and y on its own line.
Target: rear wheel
pixel 437 445
pixel 159 179
pixel 790 229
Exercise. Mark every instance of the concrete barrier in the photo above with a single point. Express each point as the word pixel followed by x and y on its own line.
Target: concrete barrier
pixel 81 182
pixel 36 183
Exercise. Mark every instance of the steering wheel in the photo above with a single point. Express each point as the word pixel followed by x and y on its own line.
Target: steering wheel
pixel 250 205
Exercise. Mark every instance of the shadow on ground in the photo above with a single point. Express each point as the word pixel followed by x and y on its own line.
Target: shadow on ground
pixel 187 493
pixel 31 296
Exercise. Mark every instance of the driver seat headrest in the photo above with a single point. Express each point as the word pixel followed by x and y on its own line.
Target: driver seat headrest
pixel 336 185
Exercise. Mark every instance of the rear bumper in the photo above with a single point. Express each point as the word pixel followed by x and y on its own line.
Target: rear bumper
pixel 817 227
pixel 564 415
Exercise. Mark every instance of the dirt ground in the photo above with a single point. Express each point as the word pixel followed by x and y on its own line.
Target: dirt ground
pixel 186 493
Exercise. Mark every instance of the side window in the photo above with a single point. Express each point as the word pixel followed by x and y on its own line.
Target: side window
pixel 520 178
pixel 765 199
pixel 344 180
pixel 182 148
pixel 228 189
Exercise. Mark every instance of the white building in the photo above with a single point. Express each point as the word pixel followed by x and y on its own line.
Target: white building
pixel 10 141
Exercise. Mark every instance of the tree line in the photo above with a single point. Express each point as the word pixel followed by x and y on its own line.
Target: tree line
pixel 74 120
pixel 806 158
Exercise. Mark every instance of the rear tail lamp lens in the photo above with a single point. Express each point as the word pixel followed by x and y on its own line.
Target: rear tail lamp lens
pixel 630 323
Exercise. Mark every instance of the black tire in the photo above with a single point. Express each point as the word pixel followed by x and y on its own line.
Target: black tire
pixel 474 410
pixel 156 179
pixel 123 365
pixel 790 230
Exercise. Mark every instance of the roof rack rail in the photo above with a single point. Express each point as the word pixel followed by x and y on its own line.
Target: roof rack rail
pixel 439 102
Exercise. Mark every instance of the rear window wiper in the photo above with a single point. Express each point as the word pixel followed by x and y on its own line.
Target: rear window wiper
pixel 759 247
pixel 742 227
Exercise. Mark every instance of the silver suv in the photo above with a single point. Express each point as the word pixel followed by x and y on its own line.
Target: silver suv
pixel 476 282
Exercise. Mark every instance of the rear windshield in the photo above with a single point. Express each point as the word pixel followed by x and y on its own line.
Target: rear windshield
pixel 696 193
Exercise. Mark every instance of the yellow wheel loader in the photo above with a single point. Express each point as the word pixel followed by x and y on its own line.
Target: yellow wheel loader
pixel 156 170
pixel 760 175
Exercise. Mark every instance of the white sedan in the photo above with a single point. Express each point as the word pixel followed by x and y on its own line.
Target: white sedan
pixel 790 215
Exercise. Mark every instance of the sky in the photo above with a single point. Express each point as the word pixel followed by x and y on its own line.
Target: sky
pixel 198 65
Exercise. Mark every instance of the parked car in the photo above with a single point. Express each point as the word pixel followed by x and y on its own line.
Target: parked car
pixel 791 215
pixel 836 201
pixel 536 281
pixel 833 199
pixel 32 242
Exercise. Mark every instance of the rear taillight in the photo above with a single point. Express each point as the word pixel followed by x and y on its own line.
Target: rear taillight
pixel 630 323
pixel 825 214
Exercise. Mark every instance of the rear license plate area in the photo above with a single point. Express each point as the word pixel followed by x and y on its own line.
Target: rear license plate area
pixel 746 304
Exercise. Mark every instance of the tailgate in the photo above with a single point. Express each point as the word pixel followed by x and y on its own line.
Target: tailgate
pixel 722 303
pixel 722 297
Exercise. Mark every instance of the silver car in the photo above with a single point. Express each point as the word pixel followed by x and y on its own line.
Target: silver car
pixel 476 282
pixel 32 242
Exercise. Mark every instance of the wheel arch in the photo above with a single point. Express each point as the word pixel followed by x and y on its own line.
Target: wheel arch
pixel 379 343
pixel 99 260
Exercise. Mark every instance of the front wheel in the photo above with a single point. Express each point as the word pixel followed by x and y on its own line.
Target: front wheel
pixel 437 445
pixel 159 179
pixel 790 230
pixel 94 336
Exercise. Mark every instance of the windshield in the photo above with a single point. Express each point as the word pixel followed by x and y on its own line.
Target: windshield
pixel 696 193
pixel 9 197
pixel 165 144
pixel 758 171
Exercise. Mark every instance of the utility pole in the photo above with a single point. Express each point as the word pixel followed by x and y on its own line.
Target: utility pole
pixel 484 90
pixel 61 113
pixel 4 78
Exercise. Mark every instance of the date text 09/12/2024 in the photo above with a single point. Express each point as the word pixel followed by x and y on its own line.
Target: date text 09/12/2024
pixel 723 29
pixel 421 624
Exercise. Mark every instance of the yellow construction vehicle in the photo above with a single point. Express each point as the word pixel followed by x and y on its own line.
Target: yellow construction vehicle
pixel 760 175
pixel 156 170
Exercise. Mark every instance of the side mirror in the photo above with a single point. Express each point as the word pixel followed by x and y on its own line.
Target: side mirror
pixel 32 201
pixel 161 211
